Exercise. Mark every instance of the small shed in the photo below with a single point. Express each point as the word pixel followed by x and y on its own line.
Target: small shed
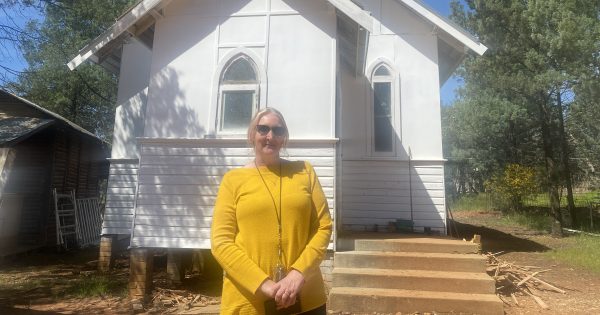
pixel 41 151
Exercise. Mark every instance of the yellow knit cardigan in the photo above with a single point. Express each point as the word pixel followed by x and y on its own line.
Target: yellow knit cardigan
pixel 244 232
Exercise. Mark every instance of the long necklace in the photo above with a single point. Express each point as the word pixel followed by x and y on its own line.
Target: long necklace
pixel 279 271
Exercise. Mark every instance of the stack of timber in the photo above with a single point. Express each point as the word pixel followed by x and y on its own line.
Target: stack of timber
pixel 170 301
pixel 513 279
pixel 409 274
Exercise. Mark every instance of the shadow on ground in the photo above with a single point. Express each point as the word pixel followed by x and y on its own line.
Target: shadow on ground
pixel 494 241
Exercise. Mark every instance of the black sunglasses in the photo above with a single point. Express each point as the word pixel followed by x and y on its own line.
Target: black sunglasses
pixel 263 130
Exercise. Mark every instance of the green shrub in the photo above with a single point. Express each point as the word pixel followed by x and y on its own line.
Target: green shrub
pixel 509 187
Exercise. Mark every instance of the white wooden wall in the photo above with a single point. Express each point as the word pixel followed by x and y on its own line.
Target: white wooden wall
pixel 378 189
pixel 379 192
pixel 408 45
pixel 291 41
pixel 120 197
pixel 129 124
pixel 132 98
pixel 179 181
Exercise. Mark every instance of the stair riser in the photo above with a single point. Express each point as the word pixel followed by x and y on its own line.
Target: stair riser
pixel 414 283
pixel 370 304
pixel 409 263
pixel 390 246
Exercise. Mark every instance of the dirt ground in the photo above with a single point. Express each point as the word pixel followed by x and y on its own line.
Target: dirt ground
pixel 526 248
pixel 43 282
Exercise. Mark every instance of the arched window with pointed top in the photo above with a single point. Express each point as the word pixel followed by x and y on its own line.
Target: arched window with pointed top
pixel 383 111
pixel 238 95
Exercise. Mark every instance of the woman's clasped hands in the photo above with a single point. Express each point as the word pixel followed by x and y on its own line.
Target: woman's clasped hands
pixel 286 291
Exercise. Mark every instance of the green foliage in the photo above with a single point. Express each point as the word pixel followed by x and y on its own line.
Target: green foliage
pixel 512 185
pixel 86 96
pixel 473 202
pixel 541 73
pixel 584 251
pixel 540 200
pixel 535 221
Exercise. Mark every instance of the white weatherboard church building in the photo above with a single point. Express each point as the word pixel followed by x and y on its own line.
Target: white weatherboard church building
pixel 357 81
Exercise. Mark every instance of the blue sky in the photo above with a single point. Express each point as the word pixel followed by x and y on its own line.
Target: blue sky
pixel 15 61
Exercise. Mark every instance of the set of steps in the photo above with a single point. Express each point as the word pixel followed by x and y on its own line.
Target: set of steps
pixel 412 274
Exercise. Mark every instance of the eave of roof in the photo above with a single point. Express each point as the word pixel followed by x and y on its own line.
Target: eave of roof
pixel 123 24
pixel 446 25
pixel 55 115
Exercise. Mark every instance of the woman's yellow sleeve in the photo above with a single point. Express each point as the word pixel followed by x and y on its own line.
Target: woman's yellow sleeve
pixel 234 260
pixel 320 227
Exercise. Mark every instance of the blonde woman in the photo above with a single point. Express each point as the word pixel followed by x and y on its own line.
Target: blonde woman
pixel 271 227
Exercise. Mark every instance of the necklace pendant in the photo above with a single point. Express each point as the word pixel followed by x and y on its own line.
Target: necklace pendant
pixel 278 272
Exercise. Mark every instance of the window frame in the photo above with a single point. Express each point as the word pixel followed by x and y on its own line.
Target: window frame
pixel 242 86
pixel 393 80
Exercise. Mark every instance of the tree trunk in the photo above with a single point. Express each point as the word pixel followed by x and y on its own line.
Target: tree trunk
pixel 551 170
pixel 565 161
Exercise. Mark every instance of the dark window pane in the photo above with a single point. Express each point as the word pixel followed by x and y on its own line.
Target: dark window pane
pixel 237 109
pixel 383 97
pixel 240 71
pixel 383 129
pixel 383 135
pixel 382 71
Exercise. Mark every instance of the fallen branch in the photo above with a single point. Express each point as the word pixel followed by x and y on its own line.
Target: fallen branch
pixel 520 279
pixel 549 285
pixel 536 298
pixel 512 295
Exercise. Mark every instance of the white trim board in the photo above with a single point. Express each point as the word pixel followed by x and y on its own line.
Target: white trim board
pixel 455 31
pixel 125 22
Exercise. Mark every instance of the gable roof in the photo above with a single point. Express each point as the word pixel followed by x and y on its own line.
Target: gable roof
pixel 43 119
pixel 16 129
pixel 141 16
pixel 138 21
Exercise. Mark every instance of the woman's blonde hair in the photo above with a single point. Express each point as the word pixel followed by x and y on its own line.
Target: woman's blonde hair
pixel 254 122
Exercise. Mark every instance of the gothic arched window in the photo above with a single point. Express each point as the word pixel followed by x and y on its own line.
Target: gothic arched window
pixel 383 135
pixel 238 94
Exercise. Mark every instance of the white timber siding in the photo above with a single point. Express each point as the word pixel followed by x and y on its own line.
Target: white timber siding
pixel 179 181
pixel 120 197
pixel 378 192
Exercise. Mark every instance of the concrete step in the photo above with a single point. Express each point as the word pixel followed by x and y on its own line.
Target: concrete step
pixel 461 282
pixel 369 300
pixel 411 261
pixel 417 244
